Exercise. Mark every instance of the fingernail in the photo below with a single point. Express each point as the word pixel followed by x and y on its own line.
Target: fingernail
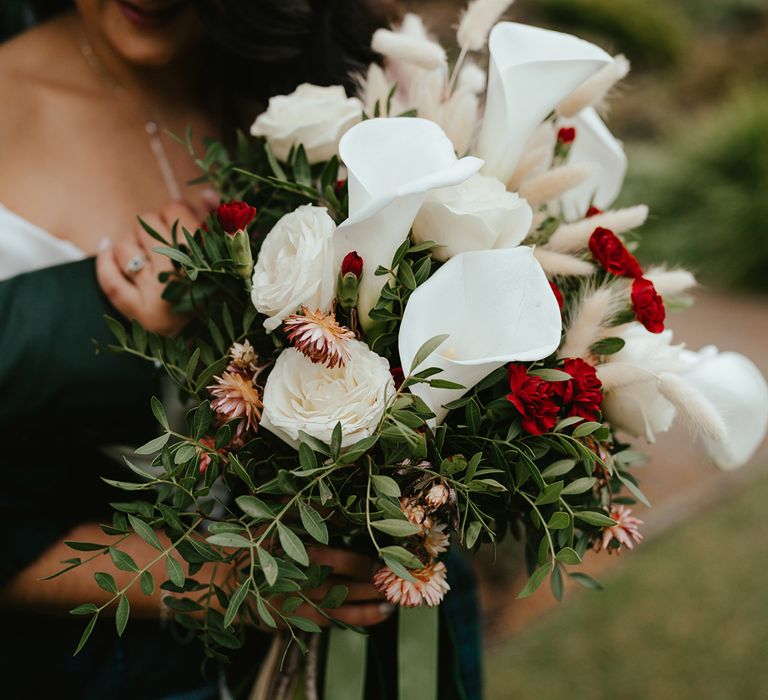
pixel 386 608
pixel 104 243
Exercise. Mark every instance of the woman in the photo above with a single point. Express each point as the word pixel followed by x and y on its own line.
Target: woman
pixel 89 96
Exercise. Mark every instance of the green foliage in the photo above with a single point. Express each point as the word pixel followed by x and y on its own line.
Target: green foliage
pixel 649 33
pixel 705 194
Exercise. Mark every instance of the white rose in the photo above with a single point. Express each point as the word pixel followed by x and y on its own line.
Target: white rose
pixel 295 266
pixel 313 116
pixel 477 214
pixel 302 395
pixel 638 408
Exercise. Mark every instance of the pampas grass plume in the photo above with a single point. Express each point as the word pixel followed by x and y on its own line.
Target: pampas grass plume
pixel 551 184
pixel 595 88
pixel 588 321
pixel 670 282
pixel 573 237
pixel 692 405
pixel 559 264
pixel 477 21
pixel 408 49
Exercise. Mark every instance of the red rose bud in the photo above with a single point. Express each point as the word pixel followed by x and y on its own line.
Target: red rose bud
pixel 558 294
pixel 566 135
pixel 352 264
pixel 611 253
pixel 534 399
pixel 593 211
pixel 234 216
pixel 648 305
pixel 339 186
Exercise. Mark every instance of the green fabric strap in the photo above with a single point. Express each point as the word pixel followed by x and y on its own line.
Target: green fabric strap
pixel 345 665
pixel 417 636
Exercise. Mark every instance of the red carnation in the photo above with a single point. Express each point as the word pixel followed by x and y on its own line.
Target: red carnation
pixel 582 394
pixel 534 398
pixel 593 211
pixel 558 294
pixel 352 263
pixel 648 305
pixel 235 215
pixel 610 252
pixel 398 376
pixel 566 135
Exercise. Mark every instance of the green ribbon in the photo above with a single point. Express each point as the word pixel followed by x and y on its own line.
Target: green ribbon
pixel 417 643
pixel 417 658
pixel 345 665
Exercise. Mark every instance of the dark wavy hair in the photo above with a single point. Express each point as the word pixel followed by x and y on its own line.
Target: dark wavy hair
pixel 266 47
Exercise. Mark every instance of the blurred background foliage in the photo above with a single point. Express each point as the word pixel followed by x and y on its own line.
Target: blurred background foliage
pixel 694 117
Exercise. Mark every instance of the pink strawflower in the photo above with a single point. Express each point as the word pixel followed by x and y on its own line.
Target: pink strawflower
pixel 437 496
pixel 416 513
pixel 625 531
pixel 319 337
pixel 436 540
pixel 235 396
pixel 428 587
pixel 243 358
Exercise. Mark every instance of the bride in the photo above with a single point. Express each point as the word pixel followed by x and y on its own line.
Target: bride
pixel 89 97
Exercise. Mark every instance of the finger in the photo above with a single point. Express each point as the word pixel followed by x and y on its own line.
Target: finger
pixel 363 615
pixel 209 200
pixel 357 591
pixel 181 212
pixel 154 221
pixel 344 562
pixel 128 253
pixel 121 292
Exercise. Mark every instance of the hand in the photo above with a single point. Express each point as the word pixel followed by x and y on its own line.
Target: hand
pixel 364 605
pixel 127 270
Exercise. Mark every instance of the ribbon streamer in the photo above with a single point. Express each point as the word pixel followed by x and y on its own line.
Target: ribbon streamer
pixel 345 665
pixel 417 653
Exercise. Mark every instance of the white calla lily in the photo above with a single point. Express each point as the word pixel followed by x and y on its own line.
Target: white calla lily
pixel 597 147
pixel 531 71
pixel 496 306
pixel 739 393
pixel 392 165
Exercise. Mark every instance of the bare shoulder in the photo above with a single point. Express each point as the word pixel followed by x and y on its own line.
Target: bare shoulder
pixel 33 70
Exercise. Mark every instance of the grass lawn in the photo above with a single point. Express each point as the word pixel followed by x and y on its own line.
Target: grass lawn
pixel 685 616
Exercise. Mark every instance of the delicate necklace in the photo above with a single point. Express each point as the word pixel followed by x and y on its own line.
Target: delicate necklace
pixel 150 122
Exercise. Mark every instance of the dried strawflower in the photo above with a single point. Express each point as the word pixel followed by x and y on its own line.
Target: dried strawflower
pixel 319 336
pixel 436 540
pixel 416 513
pixel 625 531
pixel 243 358
pixel 235 396
pixel 428 587
pixel 437 495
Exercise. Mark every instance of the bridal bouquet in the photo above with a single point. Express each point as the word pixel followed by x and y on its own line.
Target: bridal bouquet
pixel 416 320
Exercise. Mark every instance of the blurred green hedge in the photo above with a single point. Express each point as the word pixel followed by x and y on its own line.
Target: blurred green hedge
pixel 708 192
pixel 651 34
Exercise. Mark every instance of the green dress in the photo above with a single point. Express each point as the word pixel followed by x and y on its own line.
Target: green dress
pixel 60 401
